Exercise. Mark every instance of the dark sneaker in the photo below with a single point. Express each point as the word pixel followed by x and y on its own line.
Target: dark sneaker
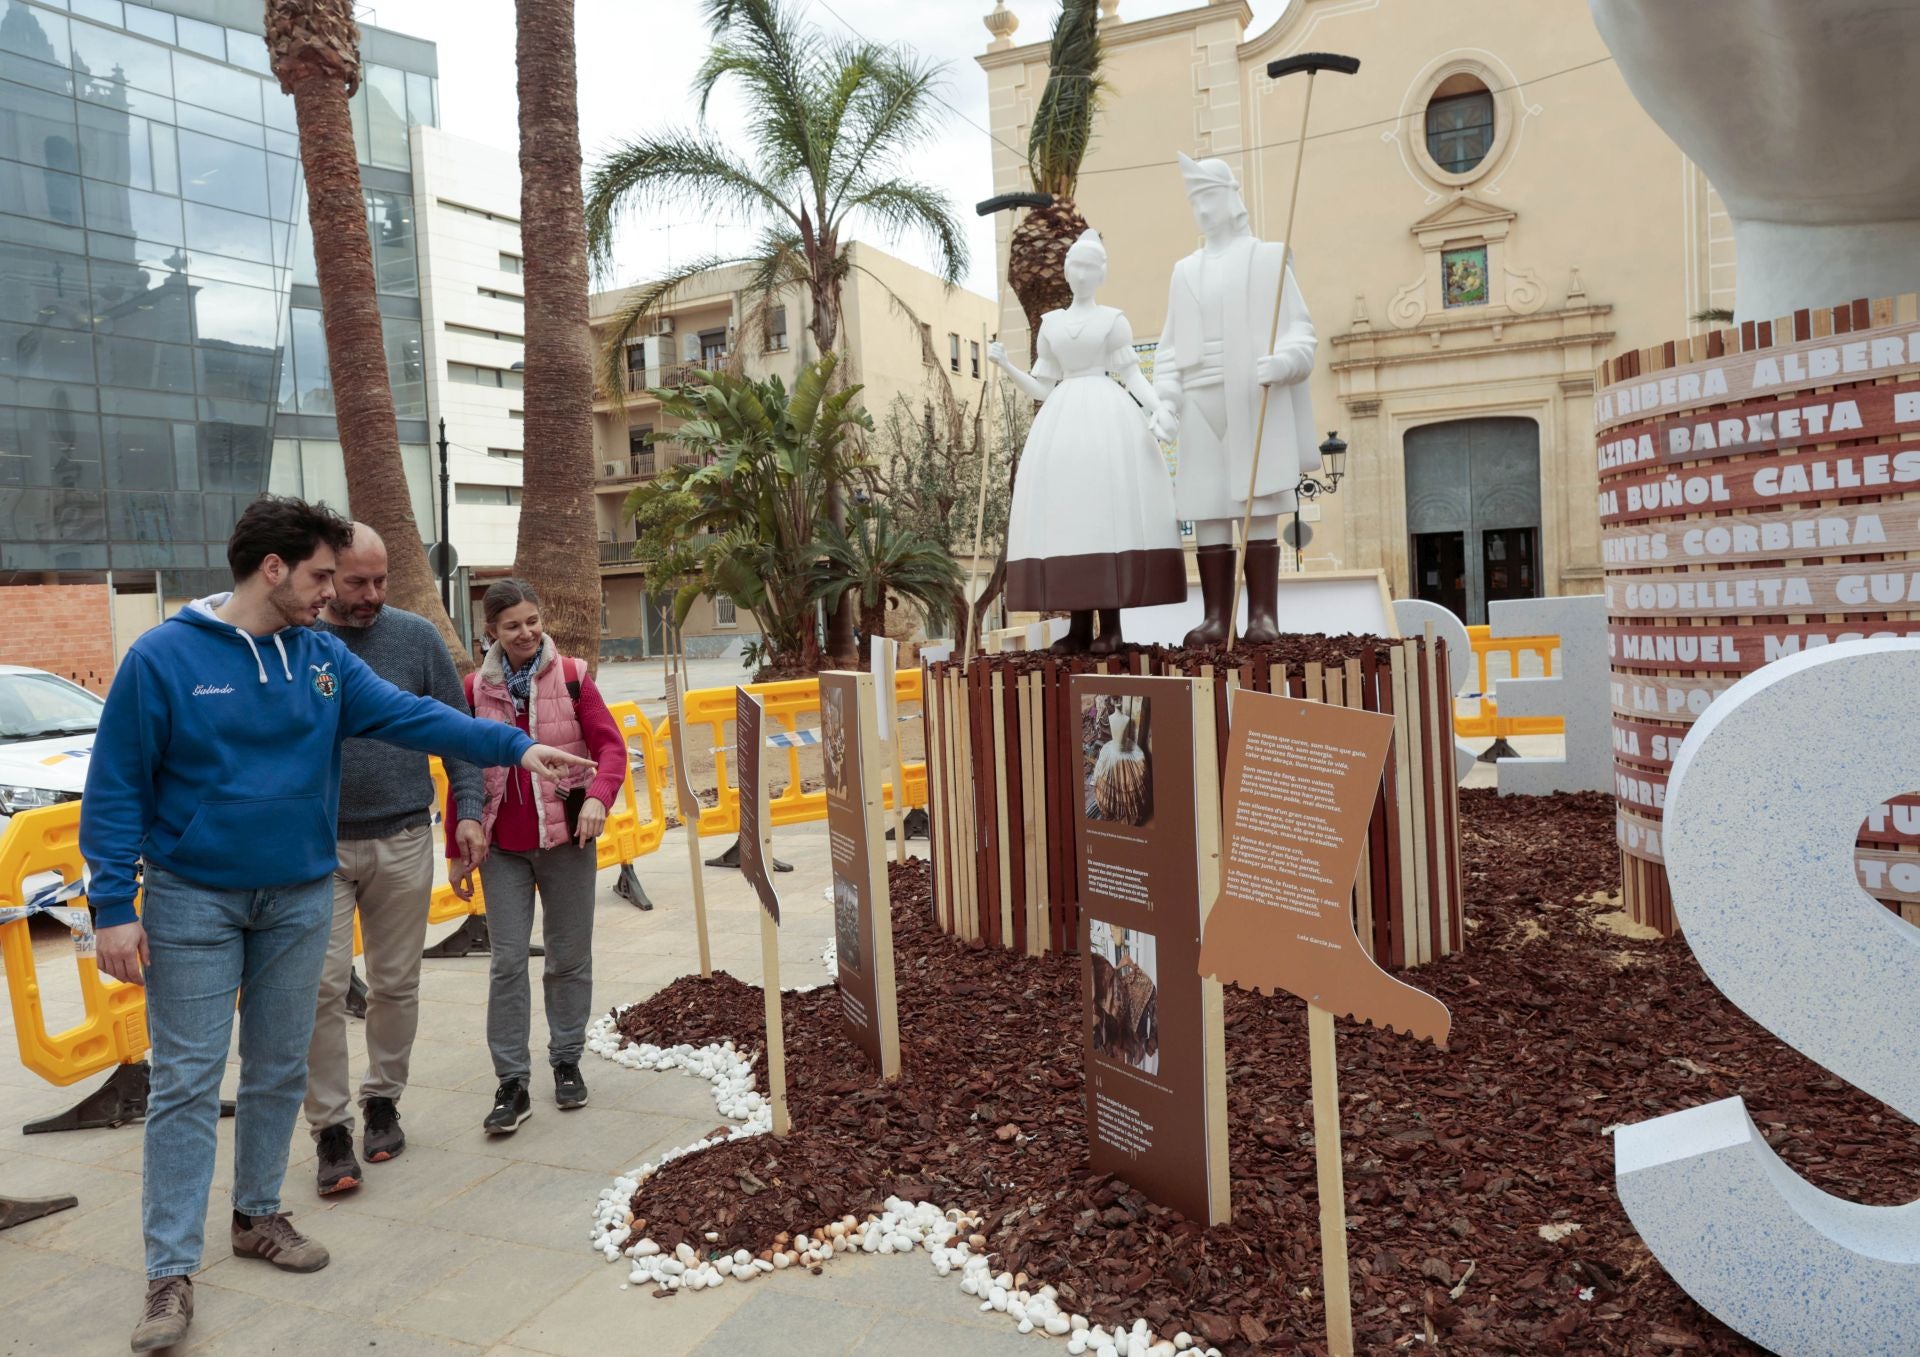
pixel 385 1139
pixel 338 1170
pixel 273 1239
pixel 511 1106
pixel 569 1089
pixel 169 1311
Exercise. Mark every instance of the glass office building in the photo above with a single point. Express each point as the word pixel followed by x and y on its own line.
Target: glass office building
pixel 161 353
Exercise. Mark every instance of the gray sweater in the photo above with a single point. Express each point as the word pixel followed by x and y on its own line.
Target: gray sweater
pixel 385 789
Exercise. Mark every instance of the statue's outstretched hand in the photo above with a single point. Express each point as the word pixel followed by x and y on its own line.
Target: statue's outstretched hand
pixel 997 353
pixel 1280 369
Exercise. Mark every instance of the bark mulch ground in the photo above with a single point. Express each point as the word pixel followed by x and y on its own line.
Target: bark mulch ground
pixel 1455 1160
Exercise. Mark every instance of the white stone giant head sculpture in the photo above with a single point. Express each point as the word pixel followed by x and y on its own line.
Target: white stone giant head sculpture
pixel 1215 195
pixel 1800 113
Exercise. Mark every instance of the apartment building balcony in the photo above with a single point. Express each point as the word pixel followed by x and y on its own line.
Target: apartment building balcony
pixel 644 466
pixel 641 381
pixel 618 556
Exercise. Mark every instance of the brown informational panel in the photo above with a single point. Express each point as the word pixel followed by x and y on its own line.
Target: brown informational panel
pixel 1301 783
pixel 689 806
pixel 1153 1027
pixel 862 913
pixel 750 740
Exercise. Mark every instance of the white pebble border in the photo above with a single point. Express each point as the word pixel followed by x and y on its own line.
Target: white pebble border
pixel 951 1238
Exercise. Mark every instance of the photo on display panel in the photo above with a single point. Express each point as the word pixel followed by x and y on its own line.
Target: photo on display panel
pixel 1126 995
pixel 1117 759
pixel 846 922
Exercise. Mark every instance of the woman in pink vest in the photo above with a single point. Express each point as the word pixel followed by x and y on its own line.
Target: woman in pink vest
pixel 540 834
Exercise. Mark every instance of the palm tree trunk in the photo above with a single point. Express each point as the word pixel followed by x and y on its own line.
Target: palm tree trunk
pixel 556 550
pixel 825 324
pixel 315 48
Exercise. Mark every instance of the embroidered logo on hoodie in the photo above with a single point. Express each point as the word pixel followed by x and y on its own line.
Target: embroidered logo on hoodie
pixel 325 682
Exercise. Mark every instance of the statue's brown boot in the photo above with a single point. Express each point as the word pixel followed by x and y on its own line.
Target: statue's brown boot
pixel 1263 591
pixel 1079 635
pixel 1110 638
pixel 1216 596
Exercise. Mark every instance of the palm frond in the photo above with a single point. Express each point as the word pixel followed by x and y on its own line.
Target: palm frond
pixel 903 206
pixel 890 113
pixel 763 44
pixel 1063 122
pixel 674 164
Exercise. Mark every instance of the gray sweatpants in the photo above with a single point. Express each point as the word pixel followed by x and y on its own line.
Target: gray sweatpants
pixel 565 878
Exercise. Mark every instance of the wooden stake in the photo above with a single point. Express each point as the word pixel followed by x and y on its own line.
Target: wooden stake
pixel 776 1036
pixel 996 693
pixel 1334 1273
pixel 1213 1004
pixel 980 513
pixel 694 866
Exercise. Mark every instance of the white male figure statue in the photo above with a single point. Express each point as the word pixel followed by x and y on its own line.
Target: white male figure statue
pixel 1210 370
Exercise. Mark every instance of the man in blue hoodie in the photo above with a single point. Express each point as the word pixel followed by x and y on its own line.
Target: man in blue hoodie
pixel 217 765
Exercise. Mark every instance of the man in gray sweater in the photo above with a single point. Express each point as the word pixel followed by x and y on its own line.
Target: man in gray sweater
pixel 386 843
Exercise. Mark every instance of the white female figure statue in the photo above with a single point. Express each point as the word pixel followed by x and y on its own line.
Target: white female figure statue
pixel 1092 527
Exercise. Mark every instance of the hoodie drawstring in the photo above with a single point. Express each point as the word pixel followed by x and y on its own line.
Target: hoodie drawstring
pixel 258 662
pixel 261 664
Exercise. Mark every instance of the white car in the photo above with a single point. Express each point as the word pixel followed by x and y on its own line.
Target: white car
pixel 46 739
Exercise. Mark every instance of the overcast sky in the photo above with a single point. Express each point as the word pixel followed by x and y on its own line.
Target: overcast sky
pixel 637 59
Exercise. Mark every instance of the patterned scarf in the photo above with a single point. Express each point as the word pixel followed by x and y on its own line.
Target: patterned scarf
pixel 520 681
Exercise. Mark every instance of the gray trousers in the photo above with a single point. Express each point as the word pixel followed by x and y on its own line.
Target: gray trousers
pixel 565 878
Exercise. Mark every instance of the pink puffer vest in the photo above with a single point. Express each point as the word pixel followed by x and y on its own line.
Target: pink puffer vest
pixel 551 719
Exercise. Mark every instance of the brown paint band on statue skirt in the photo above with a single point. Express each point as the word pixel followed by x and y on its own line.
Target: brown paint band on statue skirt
pixel 1114 579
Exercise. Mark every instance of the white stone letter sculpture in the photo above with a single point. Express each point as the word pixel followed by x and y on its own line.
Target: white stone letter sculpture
pixel 1578 693
pixel 1760 828
pixel 1412 616
pixel 1800 113
pixel 1210 368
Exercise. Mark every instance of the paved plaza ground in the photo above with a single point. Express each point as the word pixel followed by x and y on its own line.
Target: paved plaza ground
pixel 466 1244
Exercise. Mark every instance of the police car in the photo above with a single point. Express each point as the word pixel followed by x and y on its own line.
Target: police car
pixel 46 737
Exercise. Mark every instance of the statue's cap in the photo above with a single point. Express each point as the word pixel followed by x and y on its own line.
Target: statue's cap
pixel 1205 174
pixel 1089 244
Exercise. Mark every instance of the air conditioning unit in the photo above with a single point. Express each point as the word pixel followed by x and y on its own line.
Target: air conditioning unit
pixel 606 534
pixel 663 326
pixel 613 468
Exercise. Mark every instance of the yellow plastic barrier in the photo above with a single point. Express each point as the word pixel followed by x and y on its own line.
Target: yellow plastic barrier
pixel 1479 716
pixel 785 703
pixel 626 835
pixel 114 1031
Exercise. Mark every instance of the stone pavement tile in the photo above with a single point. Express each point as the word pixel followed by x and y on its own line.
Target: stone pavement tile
pixel 790 1325
pixel 892 1284
pixel 443 1064
pixel 58 1304
pixel 295 1330
pixel 504 1286
pixel 591 1138
pixel 596 1316
pixel 111 1233
pixel 447 1118
pixel 29 1175
pixel 536 1204
pixel 410 1187
pixel 377 1264
pixel 893 1334
pixel 676 1094
pixel 452 986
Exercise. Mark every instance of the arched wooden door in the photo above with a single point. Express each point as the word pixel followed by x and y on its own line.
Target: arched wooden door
pixel 1473 512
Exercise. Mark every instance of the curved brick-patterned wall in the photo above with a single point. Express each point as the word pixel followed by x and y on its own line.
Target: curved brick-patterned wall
pixel 1759 495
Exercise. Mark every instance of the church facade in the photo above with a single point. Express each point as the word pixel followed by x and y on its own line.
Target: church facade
pixel 1485 213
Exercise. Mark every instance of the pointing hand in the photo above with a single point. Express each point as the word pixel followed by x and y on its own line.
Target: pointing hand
pixel 543 760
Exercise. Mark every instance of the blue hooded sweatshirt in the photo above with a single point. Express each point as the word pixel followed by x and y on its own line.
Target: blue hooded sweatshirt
pixel 218 755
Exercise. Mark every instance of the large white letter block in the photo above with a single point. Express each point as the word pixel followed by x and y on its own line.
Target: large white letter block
pixel 1412 615
pixel 1578 693
pixel 1766 797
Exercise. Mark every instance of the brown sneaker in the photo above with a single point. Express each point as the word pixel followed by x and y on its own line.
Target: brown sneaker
pixel 273 1239
pixel 169 1311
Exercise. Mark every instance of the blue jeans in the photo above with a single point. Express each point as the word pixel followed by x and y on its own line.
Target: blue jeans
pixel 207 946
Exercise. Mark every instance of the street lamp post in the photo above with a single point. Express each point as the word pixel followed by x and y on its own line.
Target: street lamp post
pixel 1333 454
pixel 445 561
